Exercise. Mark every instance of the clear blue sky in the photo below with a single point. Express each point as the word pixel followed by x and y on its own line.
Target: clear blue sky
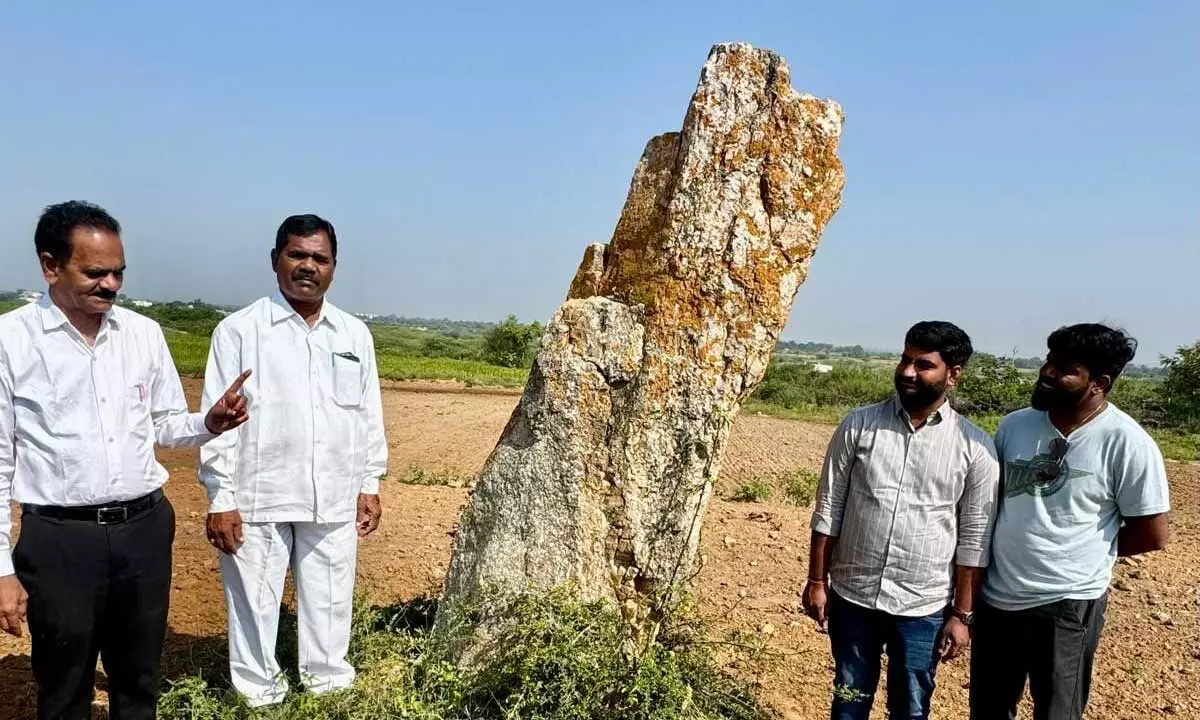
pixel 1010 166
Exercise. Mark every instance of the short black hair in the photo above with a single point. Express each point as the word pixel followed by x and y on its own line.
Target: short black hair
pixel 947 339
pixel 303 226
pixel 54 227
pixel 1101 349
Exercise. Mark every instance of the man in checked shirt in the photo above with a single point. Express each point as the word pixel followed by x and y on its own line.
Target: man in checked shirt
pixel 901 531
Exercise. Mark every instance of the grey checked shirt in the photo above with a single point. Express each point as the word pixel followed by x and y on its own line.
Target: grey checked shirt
pixel 906 506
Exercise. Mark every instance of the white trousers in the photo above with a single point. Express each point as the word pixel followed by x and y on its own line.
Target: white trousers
pixel 322 557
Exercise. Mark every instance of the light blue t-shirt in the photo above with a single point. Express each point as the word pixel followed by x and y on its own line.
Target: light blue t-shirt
pixel 1057 540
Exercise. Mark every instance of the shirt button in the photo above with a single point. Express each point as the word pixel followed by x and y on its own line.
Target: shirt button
pixel 110 439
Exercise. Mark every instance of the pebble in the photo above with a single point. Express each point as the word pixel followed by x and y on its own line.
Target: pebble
pixel 766 629
pixel 1162 618
pixel 1123 585
pixel 729 542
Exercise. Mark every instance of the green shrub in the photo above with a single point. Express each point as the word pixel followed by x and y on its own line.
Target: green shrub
pixel 793 385
pixel 1180 390
pixel 511 343
pixel 990 385
pixel 551 658
pixel 199 319
pixel 800 486
pixel 754 491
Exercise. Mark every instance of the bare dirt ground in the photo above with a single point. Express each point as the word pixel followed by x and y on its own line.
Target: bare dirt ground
pixel 752 576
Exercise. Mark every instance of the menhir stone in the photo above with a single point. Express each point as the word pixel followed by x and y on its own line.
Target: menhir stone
pixel 603 474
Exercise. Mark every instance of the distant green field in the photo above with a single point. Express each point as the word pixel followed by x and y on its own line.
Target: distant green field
pixel 790 390
pixel 471 372
pixel 7 305
pixel 191 353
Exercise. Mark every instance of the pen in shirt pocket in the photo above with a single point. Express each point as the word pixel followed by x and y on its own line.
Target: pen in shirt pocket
pixel 347 355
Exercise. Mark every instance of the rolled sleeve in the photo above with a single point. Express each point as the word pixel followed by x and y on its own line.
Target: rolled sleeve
pixel 977 506
pixel 835 480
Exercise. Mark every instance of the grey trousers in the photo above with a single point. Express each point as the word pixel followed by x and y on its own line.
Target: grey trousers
pixel 1053 646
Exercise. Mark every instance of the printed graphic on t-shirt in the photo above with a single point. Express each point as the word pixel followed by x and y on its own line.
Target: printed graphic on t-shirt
pixel 1035 477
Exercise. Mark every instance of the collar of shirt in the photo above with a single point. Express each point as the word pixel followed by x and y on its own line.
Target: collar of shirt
pixel 54 318
pixel 937 417
pixel 282 310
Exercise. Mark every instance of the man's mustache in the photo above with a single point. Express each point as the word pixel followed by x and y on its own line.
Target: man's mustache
pixel 104 294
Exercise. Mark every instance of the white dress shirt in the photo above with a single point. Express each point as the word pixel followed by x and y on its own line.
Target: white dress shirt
pixel 78 423
pixel 906 505
pixel 315 438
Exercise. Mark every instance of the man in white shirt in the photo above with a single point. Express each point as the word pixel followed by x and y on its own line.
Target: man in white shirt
pixel 86 390
pixel 298 484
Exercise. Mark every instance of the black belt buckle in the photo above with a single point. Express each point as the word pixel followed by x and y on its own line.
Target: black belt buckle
pixel 112 515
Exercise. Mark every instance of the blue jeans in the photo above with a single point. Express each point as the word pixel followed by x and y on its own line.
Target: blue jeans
pixel 858 637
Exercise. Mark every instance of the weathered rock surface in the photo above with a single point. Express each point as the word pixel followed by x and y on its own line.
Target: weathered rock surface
pixel 603 474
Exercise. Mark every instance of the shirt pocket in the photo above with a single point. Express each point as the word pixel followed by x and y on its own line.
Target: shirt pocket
pixel 137 409
pixel 347 381
pixel 138 396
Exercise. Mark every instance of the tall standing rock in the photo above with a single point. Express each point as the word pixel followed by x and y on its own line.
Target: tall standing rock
pixel 603 474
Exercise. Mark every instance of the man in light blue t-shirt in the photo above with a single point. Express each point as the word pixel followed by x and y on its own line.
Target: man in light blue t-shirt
pixel 1082 483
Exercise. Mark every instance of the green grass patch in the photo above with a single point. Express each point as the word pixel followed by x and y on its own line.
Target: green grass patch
pixel 819 414
pixel 417 475
pixel 550 658
pixel 190 352
pixel 10 305
pixel 1178 446
pixel 754 491
pixel 470 372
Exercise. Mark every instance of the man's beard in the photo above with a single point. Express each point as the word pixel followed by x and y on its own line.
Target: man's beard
pixel 1056 398
pixel 917 395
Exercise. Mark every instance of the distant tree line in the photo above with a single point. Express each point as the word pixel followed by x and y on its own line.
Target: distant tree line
pixel 992 386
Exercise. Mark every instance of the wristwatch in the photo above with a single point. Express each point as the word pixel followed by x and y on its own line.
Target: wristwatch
pixel 966 617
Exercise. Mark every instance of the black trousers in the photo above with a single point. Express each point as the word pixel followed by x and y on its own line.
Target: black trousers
pixel 97 590
pixel 1054 646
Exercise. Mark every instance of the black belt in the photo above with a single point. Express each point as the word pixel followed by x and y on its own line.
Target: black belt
pixel 107 514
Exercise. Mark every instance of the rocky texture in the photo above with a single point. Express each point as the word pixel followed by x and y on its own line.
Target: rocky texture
pixel 602 476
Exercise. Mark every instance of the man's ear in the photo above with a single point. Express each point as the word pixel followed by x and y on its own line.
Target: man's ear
pixel 953 375
pixel 50 267
pixel 1103 383
pixel 274 259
